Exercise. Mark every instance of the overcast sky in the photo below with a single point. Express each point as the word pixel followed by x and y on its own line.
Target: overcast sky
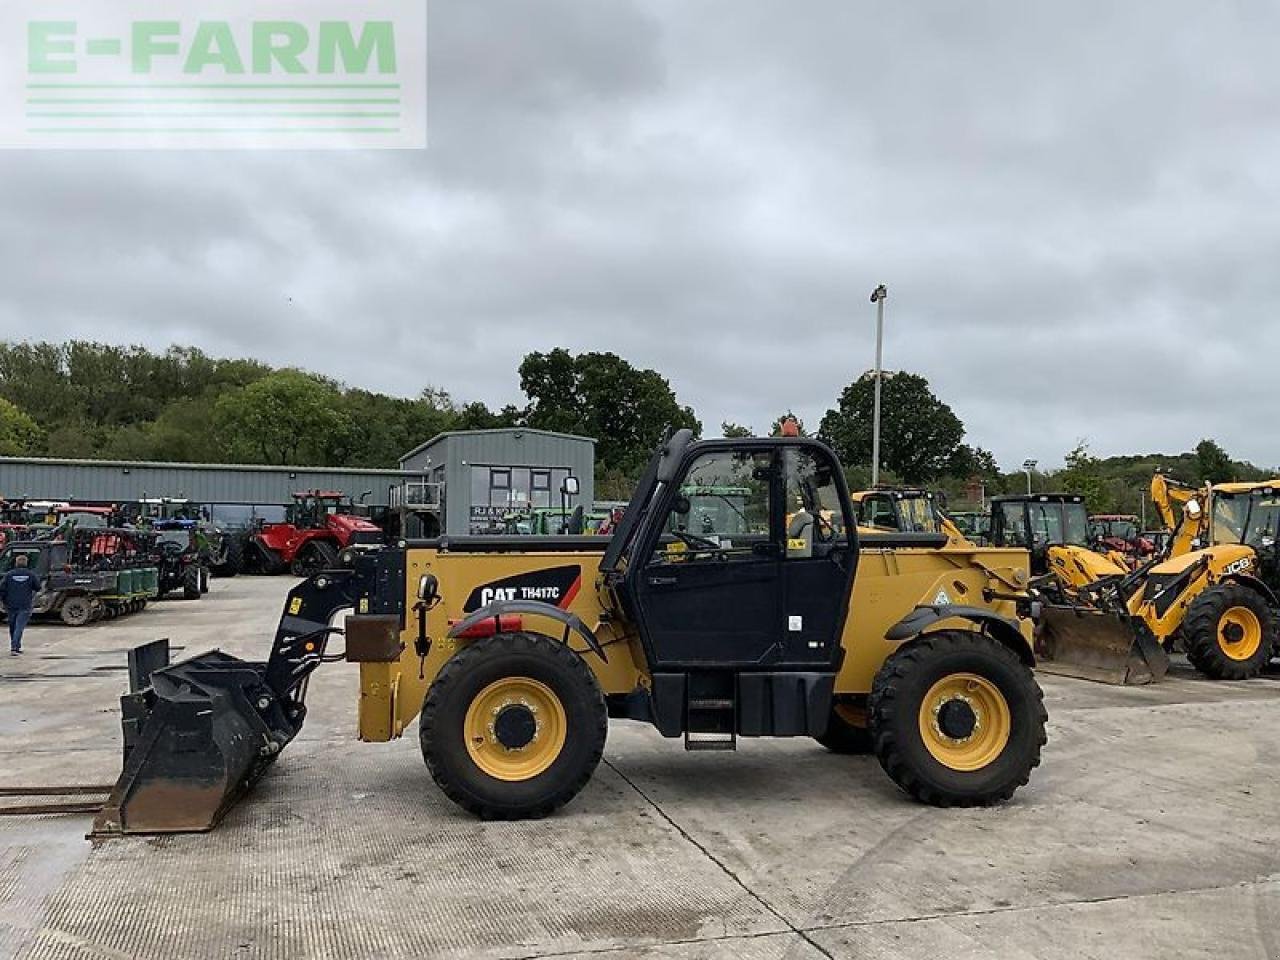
pixel 1074 206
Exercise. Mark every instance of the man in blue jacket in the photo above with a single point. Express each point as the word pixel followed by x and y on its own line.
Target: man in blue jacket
pixel 18 591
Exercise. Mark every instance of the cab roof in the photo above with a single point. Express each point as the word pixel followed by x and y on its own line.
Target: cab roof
pixel 1038 498
pixel 1246 487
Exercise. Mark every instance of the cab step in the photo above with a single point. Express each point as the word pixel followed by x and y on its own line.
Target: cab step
pixel 711 712
pixel 694 740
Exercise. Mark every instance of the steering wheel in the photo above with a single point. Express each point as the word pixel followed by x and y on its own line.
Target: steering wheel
pixel 699 544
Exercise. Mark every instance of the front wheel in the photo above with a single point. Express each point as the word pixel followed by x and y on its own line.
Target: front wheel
pixel 1229 633
pixel 191 582
pixel 957 719
pixel 76 611
pixel 513 726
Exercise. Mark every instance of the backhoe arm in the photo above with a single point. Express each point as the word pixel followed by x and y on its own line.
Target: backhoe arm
pixel 1172 500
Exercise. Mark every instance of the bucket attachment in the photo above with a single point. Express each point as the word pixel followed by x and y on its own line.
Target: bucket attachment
pixel 1076 641
pixel 199 733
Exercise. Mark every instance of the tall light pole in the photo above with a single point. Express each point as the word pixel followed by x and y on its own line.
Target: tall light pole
pixel 878 297
pixel 1028 466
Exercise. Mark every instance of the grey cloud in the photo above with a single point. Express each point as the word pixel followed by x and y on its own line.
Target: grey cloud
pixel 1073 205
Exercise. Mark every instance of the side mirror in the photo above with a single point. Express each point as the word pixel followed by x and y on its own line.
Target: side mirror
pixel 428 587
pixel 570 487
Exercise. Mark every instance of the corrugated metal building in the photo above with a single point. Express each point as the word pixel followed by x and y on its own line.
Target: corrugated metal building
pixel 456 483
pixel 126 480
pixel 479 476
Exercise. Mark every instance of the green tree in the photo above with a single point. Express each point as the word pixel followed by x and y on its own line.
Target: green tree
pixel 735 431
pixel 19 434
pixel 1212 463
pixel 286 417
pixel 477 416
pixel 1083 474
pixel 969 463
pixel 627 410
pixel 919 433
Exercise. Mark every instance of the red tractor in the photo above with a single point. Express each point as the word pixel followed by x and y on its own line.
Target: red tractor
pixel 1119 533
pixel 313 535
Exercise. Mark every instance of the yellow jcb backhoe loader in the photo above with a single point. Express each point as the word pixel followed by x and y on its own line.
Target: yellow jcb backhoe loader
pixel 1085 628
pixel 1213 595
pixel 514 652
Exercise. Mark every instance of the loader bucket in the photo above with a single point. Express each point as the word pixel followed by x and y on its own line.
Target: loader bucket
pixel 1095 645
pixel 197 735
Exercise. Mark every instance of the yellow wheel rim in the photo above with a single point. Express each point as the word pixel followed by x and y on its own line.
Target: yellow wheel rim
pixel 515 728
pixel 964 721
pixel 1239 633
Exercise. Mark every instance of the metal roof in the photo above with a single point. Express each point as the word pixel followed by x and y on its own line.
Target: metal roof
pixel 181 465
pixel 507 430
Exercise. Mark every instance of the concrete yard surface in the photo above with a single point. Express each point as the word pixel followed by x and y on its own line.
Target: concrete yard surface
pixel 1150 830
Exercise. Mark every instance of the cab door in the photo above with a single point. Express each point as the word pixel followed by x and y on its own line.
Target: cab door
pixel 706 580
pixel 820 559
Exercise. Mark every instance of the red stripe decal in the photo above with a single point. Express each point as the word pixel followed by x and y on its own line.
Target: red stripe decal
pixel 571 593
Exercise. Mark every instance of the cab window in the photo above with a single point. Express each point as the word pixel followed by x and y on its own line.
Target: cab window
pixel 721 510
pixel 879 512
pixel 1013 525
pixel 9 556
pixel 815 517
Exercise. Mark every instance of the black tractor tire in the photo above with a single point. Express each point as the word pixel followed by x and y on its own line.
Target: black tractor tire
pixel 313 558
pixel 191 582
pixel 929 668
pixel 261 559
pixel 471 675
pixel 76 611
pixel 232 560
pixel 844 736
pixel 1209 623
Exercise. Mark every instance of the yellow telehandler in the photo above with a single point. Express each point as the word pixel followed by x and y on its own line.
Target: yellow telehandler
pixel 513 653
pixel 909 509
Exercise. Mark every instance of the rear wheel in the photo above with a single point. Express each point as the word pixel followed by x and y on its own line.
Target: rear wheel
pixel 957 719
pixel 513 726
pixel 76 611
pixel 1229 633
pixel 232 558
pixel 191 582
pixel 847 730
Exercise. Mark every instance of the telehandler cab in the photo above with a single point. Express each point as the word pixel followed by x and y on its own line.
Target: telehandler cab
pixel 909 509
pixel 516 651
